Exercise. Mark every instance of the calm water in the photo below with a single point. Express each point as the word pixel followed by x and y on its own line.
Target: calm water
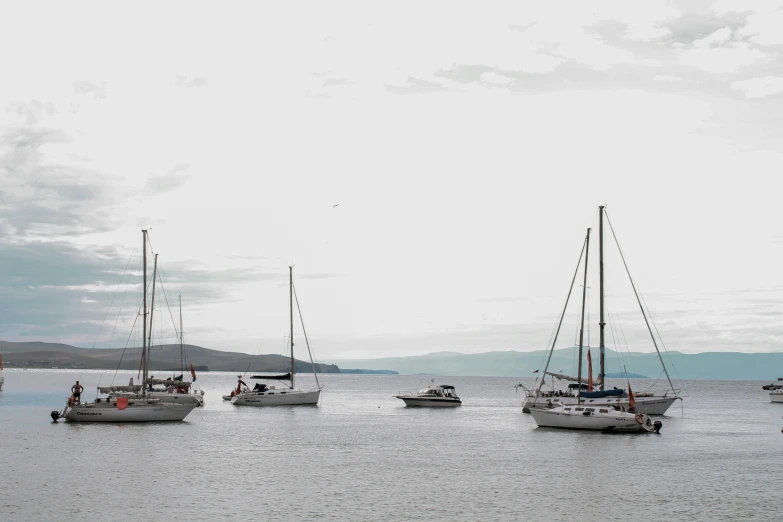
pixel 362 455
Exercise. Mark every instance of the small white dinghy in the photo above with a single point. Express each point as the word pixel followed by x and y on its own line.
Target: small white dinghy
pixel 443 396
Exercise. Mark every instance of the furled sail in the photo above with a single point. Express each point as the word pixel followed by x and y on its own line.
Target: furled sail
pixel 109 389
pixel 170 382
pixel 564 377
pixel 280 377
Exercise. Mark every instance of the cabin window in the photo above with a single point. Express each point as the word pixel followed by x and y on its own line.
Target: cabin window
pixel 603 411
pixel 579 409
pixel 589 409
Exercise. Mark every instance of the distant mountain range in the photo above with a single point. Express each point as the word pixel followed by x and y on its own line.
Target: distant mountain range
pixel 708 365
pixel 162 358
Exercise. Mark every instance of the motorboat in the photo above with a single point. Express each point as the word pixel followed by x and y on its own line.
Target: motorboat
pixel 776 395
pixel 442 396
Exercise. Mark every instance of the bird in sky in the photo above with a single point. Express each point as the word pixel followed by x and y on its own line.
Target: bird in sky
pixel 336 205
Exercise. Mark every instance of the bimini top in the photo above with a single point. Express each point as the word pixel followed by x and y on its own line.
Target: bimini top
pixel 446 387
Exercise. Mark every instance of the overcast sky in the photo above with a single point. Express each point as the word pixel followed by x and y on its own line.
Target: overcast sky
pixel 466 144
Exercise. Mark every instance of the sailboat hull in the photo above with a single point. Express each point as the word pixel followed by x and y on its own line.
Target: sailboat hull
pixel 566 417
pixel 144 412
pixel 277 398
pixel 649 405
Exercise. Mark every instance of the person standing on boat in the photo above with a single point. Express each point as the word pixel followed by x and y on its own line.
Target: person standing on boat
pixel 240 385
pixel 77 390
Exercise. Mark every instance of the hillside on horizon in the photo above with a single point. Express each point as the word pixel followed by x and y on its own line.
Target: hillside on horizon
pixel 706 365
pixel 165 357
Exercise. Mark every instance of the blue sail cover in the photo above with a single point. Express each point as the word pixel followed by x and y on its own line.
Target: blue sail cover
pixel 598 394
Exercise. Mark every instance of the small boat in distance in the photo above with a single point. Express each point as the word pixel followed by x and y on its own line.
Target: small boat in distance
pixel 442 396
pixel 774 386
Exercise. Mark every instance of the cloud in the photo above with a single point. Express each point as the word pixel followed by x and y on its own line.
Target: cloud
pixel 760 87
pixel 44 194
pixel 171 180
pixel 726 59
pixel 416 86
pixel 189 83
pixel 84 88
pixel 333 82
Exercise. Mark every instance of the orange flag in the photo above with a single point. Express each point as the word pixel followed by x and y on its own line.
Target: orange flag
pixel 192 372
pixel 631 400
pixel 589 372
pixel 122 403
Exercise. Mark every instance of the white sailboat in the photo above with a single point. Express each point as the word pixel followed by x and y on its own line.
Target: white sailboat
pixel 648 403
pixel 124 408
pixel 580 417
pixel 175 390
pixel 264 395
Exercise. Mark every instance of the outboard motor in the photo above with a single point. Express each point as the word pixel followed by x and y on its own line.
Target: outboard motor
pixel 55 415
pixel 657 425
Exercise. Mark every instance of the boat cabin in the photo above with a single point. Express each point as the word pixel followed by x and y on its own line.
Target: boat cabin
pixel 439 391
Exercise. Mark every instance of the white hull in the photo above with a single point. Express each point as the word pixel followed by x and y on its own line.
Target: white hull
pixel 567 417
pixel 134 412
pixel 434 402
pixel 649 405
pixel 776 396
pixel 277 398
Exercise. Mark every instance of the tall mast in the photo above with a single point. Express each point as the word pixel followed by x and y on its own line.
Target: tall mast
pixel 152 311
pixel 181 339
pixel 582 325
pixel 144 332
pixel 601 322
pixel 291 309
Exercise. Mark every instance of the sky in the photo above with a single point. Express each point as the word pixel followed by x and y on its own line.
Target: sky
pixel 429 169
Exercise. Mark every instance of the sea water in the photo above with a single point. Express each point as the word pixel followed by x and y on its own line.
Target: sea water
pixel 362 455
